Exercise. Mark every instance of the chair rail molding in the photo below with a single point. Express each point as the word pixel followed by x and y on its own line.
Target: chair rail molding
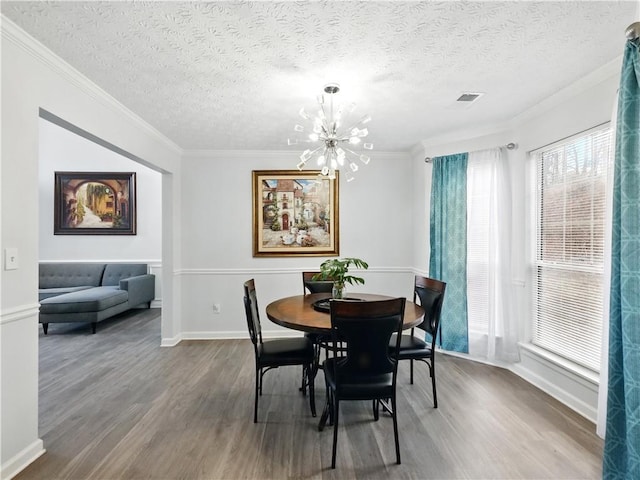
pixel 18 313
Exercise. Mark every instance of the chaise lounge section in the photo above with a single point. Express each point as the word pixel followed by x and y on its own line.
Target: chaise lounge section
pixel 91 292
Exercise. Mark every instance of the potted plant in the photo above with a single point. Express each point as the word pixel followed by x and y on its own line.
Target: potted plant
pixel 337 269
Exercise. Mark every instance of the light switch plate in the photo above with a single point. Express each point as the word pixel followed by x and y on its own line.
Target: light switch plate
pixel 10 258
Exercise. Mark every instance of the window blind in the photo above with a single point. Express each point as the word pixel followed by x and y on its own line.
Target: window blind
pixel 571 180
pixel 478 223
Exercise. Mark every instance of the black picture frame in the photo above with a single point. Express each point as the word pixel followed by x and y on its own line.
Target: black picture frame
pixel 95 203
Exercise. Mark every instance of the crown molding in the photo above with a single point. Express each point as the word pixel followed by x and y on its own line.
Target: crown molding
pixel 462 135
pixel 605 72
pixel 14 34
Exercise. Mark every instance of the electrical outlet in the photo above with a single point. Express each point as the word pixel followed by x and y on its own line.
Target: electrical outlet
pixel 216 308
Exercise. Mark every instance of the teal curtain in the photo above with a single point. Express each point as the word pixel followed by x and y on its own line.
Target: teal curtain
pixel 622 440
pixel 448 254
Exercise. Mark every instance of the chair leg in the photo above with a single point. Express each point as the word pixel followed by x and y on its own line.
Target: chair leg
pixel 305 379
pixel 376 410
pixel 45 328
pixel 395 428
pixel 411 370
pixel 312 389
pixel 327 412
pixel 432 370
pixel 255 403
pixel 336 408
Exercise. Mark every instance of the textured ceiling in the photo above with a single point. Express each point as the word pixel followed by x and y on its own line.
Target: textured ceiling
pixel 233 75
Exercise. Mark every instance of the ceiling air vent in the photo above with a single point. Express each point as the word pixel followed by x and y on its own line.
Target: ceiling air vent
pixel 469 97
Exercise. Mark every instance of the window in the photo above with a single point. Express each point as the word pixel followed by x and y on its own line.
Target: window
pixel 571 187
pixel 478 225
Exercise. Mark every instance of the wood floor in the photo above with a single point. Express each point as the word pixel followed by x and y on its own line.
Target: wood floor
pixel 117 406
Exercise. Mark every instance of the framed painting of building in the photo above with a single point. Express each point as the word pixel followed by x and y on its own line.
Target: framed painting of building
pixel 295 213
pixel 94 203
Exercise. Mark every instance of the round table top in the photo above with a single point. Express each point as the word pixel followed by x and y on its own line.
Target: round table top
pixel 297 312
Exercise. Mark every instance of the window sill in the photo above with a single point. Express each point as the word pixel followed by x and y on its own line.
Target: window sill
pixel 562 363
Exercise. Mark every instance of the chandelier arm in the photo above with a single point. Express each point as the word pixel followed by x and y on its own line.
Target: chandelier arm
pixel 348 150
pixel 357 124
pixel 314 151
pixel 324 114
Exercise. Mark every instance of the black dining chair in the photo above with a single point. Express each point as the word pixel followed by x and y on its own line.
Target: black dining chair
pixel 367 371
pixel 430 294
pixel 309 285
pixel 315 286
pixel 274 353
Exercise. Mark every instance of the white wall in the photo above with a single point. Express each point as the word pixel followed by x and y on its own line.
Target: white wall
pixel 376 224
pixel 63 150
pixel 579 107
pixel 34 78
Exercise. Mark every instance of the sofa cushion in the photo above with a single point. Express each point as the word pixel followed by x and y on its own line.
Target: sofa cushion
pixel 114 272
pixel 56 275
pixel 91 300
pixel 54 292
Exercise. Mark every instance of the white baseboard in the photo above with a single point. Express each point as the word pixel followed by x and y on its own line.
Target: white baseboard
pixel 22 460
pixel 576 391
pixel 228 335
pixel 156 303
pixel 171 342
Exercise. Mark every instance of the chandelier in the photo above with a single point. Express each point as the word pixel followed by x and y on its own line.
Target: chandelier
pixel 333 147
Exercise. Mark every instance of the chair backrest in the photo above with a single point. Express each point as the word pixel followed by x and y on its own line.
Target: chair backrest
pixel 430 292
pixel 251 310
pixel 310 285
pixel 366 327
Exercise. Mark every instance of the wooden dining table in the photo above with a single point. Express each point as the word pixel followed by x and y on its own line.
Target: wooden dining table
pixel 298 312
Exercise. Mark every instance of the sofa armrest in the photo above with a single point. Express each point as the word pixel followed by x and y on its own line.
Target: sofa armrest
pixel 142 288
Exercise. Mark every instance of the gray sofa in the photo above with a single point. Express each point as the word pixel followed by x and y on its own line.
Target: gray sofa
pixel 91 292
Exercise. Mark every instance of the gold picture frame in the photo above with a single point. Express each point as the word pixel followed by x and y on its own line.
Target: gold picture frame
pixel 295 213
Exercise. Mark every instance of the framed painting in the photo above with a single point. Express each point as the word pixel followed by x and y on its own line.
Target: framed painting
pixel 295 213
pixel 94 203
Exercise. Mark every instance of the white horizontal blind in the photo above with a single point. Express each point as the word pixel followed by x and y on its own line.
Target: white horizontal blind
pixel 478 223
pixel 571 180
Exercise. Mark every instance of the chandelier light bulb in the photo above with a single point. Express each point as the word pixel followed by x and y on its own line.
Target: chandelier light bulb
pixel 335 147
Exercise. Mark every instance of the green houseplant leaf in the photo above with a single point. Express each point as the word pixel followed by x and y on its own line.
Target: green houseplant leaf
pixel 337 270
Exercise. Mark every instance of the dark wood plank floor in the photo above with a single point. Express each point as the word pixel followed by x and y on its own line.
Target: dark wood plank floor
pixel 117 406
